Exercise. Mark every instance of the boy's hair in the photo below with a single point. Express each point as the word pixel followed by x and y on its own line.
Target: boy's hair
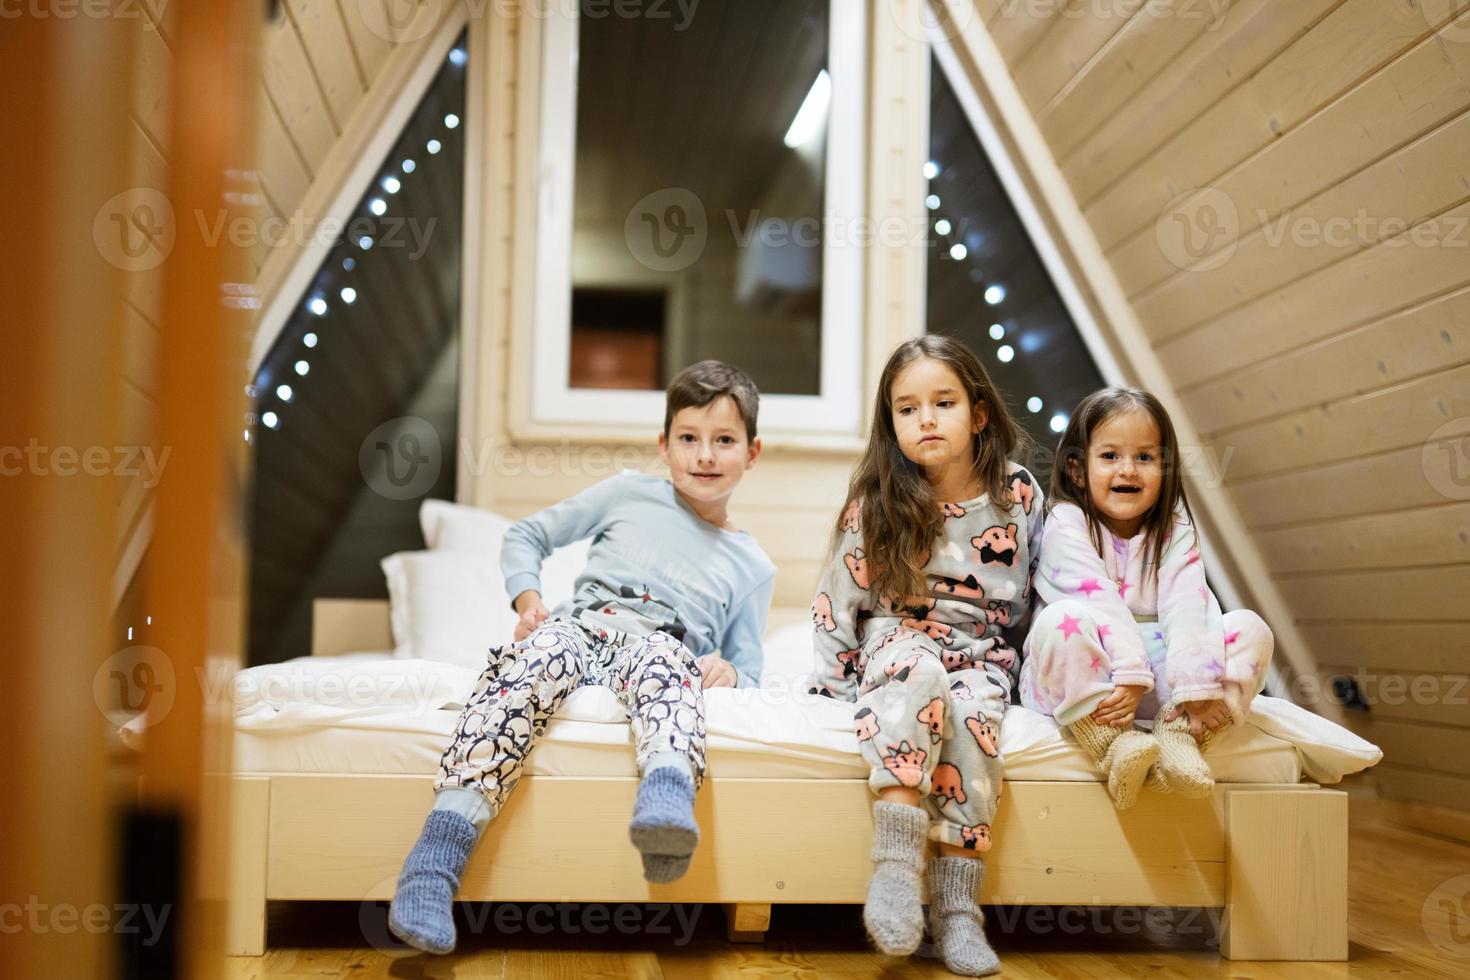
pixel 1069 475
pixel 699 384
pixel 900 517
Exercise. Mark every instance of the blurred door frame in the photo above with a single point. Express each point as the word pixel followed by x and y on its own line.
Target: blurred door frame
pixel 81 849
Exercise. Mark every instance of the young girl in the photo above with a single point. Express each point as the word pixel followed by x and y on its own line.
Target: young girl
pixel 1129 623
pixel 932 557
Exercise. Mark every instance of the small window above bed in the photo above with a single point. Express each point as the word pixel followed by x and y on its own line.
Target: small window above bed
pixel 703 160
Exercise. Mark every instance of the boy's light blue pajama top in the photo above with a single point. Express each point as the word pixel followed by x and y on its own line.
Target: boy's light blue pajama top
pixel 661 588
pixel 646 541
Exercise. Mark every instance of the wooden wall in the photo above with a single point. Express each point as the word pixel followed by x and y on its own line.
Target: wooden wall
pixel 1283 191
pixel 318 59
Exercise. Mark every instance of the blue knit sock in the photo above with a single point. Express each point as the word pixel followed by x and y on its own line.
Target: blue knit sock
pixel 422 913
pixel 663 826
pixel 661 869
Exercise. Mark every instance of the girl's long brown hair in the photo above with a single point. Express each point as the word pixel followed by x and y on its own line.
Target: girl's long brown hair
pixel 1069 475
pixel 900 518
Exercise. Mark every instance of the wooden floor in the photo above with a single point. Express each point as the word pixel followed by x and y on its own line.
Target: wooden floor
pixel 1403 890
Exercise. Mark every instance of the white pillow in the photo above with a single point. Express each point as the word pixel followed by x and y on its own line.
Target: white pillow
pixel 455 527
pixel 448 606
pixel 789 660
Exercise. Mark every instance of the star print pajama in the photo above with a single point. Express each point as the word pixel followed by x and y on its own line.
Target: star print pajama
pixel 1108 622
pixel 930 676
pixel 1069 670
pixel 652 672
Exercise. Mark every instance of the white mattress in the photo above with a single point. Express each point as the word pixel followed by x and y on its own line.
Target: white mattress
pixel 307 716
pixel 411 742
pixel 373 713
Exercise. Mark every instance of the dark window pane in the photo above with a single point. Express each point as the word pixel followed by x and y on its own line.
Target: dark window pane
pixel 686 182
pixel 617 338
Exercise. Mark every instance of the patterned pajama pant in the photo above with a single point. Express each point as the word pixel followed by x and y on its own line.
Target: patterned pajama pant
pixel 653 673
pixel 935 731
pixel 1068 672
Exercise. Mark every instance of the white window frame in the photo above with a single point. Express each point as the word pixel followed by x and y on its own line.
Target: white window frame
pixel 837 410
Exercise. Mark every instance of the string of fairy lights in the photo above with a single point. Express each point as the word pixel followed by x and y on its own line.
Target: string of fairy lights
pixel 272 404
pixel 389 183
pixel 993 294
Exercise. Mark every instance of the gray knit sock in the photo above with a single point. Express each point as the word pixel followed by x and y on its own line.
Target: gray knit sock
pixel 894 913
pixel 956 920
pixel 422 912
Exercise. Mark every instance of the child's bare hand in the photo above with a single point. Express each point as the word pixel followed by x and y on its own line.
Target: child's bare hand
pixel 717 671
pixel 1118 708
pixel 1203 715
pixel 532 614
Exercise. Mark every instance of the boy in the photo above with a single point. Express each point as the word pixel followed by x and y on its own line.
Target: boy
pixel 673 600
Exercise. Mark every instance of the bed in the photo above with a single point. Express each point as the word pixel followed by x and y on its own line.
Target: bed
pixel 334 755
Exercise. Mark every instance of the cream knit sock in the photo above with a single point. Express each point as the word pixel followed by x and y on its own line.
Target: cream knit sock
pixel 1125 755
pixel 1180 764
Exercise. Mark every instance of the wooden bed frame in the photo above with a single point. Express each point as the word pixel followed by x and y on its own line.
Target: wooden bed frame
pixel 1273 857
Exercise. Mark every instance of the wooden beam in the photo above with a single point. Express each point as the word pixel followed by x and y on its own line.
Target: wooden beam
pixel 193 586
pixel 64 242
